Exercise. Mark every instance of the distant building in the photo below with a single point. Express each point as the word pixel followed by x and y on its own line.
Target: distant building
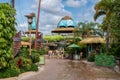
pixel 65 25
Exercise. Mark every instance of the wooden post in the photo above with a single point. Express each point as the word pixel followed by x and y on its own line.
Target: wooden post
pixel 30 40
pixel 37 26
pixel 13 3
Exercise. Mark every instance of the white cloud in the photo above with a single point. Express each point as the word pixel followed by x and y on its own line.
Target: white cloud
pixel 87 15
pixel 51 13
pixel 76 3
pixel 23 25
pixel 52 6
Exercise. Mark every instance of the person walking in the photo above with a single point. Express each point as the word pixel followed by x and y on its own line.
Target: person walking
pixel 50 53
pixel 81 55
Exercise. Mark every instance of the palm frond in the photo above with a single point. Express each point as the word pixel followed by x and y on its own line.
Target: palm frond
pixel 98 14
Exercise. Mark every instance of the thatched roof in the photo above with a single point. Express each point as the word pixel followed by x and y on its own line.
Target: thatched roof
pixel 66 18
pixel 63 30
pixel 32 32
pixel 30 15
pixel 93 39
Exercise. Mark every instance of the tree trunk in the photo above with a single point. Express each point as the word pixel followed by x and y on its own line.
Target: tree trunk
pixel 108 38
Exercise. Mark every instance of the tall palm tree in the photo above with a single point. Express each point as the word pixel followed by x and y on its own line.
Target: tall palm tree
pixel 105 7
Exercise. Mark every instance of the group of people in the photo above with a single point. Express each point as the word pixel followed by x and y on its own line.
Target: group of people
pixel 57 53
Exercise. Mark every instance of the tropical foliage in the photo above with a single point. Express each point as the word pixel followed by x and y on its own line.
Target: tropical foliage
pixel 7 31
pixel 105 60
pixel 89 28
pixel 110 24
pixel 12 66
pixel 53 38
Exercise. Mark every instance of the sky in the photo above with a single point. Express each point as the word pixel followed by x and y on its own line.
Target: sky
pixel 52 11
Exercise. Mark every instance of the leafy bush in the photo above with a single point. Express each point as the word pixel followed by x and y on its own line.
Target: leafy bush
pixel 26 67
pixel 9 72
pixel 29 67
pixel 91 57
pixel 52 38
pixel 34 67
pixel 7 31
pixel 26 39
pixel 35 57
pixel 24 52
pixel 105 60
pixel 42 51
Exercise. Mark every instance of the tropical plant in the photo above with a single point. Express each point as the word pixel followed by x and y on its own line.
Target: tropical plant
pixel 115 30
pixel 105 60
pixel 9 72
pixel 26 39
pixel 105 7
pixel 7 31
pixel 88 28
pixel 52 38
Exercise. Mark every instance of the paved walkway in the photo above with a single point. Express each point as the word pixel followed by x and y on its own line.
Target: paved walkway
pixel 55 69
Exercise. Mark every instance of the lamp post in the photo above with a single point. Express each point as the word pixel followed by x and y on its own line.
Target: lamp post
pixel 30 17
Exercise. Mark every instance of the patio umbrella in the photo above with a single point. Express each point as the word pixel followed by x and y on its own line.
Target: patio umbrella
pixel 74 46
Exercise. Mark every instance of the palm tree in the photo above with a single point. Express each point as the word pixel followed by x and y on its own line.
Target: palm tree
pixel 86 29
pixel 105 7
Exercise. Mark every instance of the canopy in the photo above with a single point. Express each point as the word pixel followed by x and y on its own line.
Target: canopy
pixel 73 46
pixel 63 30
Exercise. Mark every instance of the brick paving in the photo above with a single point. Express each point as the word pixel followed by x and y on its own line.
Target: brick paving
pixel 55 69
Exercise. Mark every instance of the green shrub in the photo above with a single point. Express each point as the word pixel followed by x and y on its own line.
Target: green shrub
pixel 26 39
pixel 29 67
pixel 105 60
pixel 35 57
pixel 34 67
pixel 26 67
pixel 91 57
pixel 7 31
pixel 9 72
pixel 41 51
pixel 24 52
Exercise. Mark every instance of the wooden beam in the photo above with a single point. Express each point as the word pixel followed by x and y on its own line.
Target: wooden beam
pixel 37 26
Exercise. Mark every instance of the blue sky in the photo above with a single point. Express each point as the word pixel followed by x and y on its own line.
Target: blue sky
pixel 52 11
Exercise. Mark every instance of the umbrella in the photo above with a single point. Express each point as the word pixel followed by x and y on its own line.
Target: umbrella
pixel 73 46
